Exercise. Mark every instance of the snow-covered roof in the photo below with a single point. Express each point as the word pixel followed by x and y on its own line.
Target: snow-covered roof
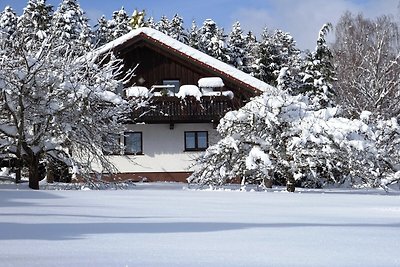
pixel 218 66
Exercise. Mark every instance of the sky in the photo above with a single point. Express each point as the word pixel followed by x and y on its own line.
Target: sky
pixel 302 19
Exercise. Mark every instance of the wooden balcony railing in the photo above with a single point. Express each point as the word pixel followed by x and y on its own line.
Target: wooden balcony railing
pixel 164 109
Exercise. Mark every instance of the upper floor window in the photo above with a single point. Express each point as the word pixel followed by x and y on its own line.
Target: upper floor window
pixel 133 143
pixel 196 140
pixel 175 85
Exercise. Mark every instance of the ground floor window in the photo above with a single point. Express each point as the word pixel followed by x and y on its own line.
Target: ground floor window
pixel 196 140
pixel 133 142
pixel 111 144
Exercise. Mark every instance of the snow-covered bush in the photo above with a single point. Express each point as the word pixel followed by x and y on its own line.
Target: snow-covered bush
pixel 278 136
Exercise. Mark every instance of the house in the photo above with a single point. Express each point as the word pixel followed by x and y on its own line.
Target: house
pixel 191 92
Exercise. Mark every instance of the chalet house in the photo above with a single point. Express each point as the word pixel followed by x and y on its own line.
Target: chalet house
pixel 191 92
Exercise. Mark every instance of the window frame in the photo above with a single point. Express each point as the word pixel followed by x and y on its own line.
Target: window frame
pixel 141 143
pixel 175 82
pixel 110 151
pixel 196 141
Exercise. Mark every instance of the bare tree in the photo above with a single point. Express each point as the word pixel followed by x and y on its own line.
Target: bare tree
pixel 367 57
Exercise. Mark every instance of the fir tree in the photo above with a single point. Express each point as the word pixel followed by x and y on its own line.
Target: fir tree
pixel 8 22
pixel 276 50
pixel 36 19
pixel 119 24
pixel 213 41
pixel 163 25
pixel 102 34
pixel 71 27
pixel 318 71
pixel 237 47
pixel 193 36
pixel 176 29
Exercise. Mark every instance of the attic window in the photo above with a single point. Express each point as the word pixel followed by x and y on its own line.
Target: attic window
pixel 175 85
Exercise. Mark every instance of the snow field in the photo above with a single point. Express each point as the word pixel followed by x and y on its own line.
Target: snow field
pixel 163 225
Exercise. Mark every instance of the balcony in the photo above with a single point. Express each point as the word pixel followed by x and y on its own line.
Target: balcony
pixel 170 109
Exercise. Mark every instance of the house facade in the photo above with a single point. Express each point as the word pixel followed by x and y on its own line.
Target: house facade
pixel 190 91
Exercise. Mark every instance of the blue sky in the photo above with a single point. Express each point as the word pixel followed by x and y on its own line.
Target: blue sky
pixel 302 19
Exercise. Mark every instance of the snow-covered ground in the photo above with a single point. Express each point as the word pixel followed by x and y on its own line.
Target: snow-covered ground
pixel 169 225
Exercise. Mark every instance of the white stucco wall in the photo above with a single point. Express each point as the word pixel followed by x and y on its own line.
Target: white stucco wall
pixel 163 148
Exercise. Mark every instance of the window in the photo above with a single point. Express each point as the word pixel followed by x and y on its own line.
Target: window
pixel 133 143
pixel 111 144
pixel 175 83
pixel 196 140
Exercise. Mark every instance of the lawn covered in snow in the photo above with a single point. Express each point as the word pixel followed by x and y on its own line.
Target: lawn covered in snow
pixel 170 225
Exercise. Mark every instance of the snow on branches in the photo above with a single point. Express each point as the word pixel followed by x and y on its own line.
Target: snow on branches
pixel 282 138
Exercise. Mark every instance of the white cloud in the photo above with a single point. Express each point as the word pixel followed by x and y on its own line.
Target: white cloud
pixel 303 19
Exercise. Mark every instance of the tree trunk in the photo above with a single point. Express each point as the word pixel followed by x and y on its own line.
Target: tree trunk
pixel 18 170
pixel 290 184
pixel 34 172
pixel 50 171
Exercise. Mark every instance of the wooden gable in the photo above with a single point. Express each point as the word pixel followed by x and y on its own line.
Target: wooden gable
pixel 157 62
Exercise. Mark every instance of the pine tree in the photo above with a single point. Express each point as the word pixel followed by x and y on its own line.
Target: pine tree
pixel 213 41
pixel 237 47
pixel 194 36
pixel 36 20
pixel 163 25
pixel 102 34
pixel 119 24
pixel 276 50
pixel 71 27
pixel 251 52
pixel 318 71
pixel 8 22
pixel 176 29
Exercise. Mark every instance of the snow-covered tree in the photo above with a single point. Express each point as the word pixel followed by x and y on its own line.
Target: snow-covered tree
pixel 58 107
pixel 119 24
pixel 103 33
pixel 36 19
pixel 318 72
pixel 137 19
pixel 8 22
pixel 278 136
pixel 212 41
pixel 176 29
pixel 276 51
pixel 237 47
pixel 367 61
pixel 163 25
pixel 71 27
pixel 193 36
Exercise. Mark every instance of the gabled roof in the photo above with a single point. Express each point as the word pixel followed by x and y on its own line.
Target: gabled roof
pixel 160 39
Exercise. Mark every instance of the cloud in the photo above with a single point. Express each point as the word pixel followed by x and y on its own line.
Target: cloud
pixel 303 19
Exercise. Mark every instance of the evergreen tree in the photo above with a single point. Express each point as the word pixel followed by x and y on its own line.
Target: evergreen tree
pixel 119 24
pixel 176 29
pixel 318 71
pixel 213 41
pixel 163 25
pixel 251 52
pixel 194 36
pixel 103 33
pixel 71 27
pixel 276 50
pixel 8 22
pixel 237 47
pixel 36 19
